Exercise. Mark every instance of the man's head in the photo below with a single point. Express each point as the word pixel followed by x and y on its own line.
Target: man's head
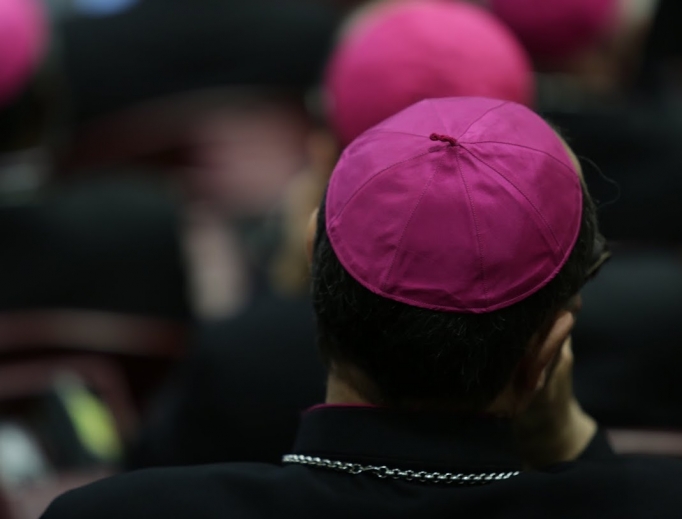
pixel 24 38
pixel 397 53
pixel 561 28
pixel 448 254
pixel 596 42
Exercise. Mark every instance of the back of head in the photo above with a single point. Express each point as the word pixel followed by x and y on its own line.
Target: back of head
pixel 401 52
pixel 23 44
pixel 557 29
pixel 23 37
pixel 450 235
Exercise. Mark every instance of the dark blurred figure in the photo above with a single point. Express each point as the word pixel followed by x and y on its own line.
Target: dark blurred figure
pixel 628 341
pixel 589 54
pixel 613 94
pixel 228 401
pixel 93 302
pixel 90 264
pixel 26 95
pixel 210 95
pixel 93 263
pixel 157 48
pixel 661 72
pixel 108 244
pixel 98 244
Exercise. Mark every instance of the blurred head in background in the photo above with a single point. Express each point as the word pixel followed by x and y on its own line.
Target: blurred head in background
pixel 24 36
pixel 213 90
pixel 395 53
pixel 558 29
pixel 596 41
pixel 29 95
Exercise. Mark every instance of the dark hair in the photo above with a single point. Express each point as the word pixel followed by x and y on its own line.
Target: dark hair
pixel 414 356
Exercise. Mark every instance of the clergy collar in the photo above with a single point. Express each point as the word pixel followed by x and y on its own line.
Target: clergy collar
pixel 409 440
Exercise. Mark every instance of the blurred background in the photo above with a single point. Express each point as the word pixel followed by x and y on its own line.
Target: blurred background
pixel 159 160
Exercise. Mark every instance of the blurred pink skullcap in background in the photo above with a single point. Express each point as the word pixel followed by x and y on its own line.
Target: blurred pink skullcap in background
pixel 404 51
pixel 557 28
pixel 23 38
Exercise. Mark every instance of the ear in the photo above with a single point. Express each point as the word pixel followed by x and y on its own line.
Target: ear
pixel 311 229
pixel 538 365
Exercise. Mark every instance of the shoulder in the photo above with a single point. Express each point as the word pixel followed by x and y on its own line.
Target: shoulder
pixel 167 492
pixel 650 471
pixel 623 480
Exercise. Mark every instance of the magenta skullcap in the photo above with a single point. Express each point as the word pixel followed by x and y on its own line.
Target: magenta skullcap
pixel 461 204
pixel 557 28
pixel 405 51
pixel 23 38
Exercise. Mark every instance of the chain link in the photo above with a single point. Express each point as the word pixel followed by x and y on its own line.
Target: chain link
pixel 384 472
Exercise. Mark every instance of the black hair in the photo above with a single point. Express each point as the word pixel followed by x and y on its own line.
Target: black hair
pixel 418 357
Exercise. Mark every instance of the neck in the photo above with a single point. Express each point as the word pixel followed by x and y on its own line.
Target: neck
pixel 342 392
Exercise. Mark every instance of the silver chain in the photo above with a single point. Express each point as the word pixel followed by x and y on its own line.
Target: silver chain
pixel 384 472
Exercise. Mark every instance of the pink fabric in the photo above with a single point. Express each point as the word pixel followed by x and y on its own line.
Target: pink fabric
pixel 23 37
pixel 557 28
pixel 406 51
pixel 470 227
